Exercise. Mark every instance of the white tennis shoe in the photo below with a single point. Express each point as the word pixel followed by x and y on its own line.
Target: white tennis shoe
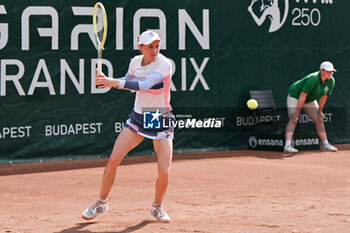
pixel 329 147
pixel 158 212
pixel 95 209
pixel 290 149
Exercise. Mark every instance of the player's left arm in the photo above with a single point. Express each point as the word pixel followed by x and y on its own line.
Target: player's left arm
pixel 128 82
pixel 156 77
pixel 321 103
pixel 323 99
pixel 142 85
pixel 131 82
pixel 103 81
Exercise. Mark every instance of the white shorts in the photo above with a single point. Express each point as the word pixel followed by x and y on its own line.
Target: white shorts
pixel 309 108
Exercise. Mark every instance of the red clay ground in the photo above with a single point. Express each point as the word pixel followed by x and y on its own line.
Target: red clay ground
pixel 233 191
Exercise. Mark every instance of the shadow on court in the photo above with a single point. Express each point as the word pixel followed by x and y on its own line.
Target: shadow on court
pixel 79 228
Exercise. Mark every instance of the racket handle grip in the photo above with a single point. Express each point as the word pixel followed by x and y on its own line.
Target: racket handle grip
pixel 99 65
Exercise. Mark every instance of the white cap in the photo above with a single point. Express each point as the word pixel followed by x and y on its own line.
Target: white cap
pixel 147 37
pixel 326 65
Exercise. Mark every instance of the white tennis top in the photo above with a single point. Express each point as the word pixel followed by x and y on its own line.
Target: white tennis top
pixel 155 97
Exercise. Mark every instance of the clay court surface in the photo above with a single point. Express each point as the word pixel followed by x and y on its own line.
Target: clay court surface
pixel 232 191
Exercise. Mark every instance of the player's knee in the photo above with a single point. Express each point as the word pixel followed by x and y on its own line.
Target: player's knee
pixel 318 121
pixel 163 174
pixel 115 160
pixel 294 121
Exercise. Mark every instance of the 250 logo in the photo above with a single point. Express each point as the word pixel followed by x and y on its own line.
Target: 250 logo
pixel 276 12
pixel 306 16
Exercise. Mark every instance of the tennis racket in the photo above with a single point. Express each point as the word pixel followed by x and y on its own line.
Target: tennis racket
pixel 99 21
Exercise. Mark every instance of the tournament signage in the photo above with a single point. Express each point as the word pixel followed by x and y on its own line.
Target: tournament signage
pixel 303 13
pixel 50 108
pixel 275 142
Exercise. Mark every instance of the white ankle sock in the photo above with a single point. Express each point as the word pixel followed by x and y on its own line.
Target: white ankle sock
pixel 325 142
pixel 288 143
pixel 103 201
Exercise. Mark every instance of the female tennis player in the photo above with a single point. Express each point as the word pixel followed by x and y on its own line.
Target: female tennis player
pixel 304 94
pixel 149 75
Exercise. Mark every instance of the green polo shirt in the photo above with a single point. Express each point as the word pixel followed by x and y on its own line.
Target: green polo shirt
pixel 313 86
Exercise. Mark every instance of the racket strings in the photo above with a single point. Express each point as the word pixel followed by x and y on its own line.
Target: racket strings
pixel 100 24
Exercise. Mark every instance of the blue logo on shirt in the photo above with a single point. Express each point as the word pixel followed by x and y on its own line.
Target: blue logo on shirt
pixel 151 119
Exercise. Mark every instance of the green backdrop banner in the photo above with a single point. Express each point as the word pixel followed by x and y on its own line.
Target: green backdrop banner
pixel 51 110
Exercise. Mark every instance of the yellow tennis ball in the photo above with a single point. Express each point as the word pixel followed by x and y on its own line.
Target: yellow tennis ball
pixel 252 104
